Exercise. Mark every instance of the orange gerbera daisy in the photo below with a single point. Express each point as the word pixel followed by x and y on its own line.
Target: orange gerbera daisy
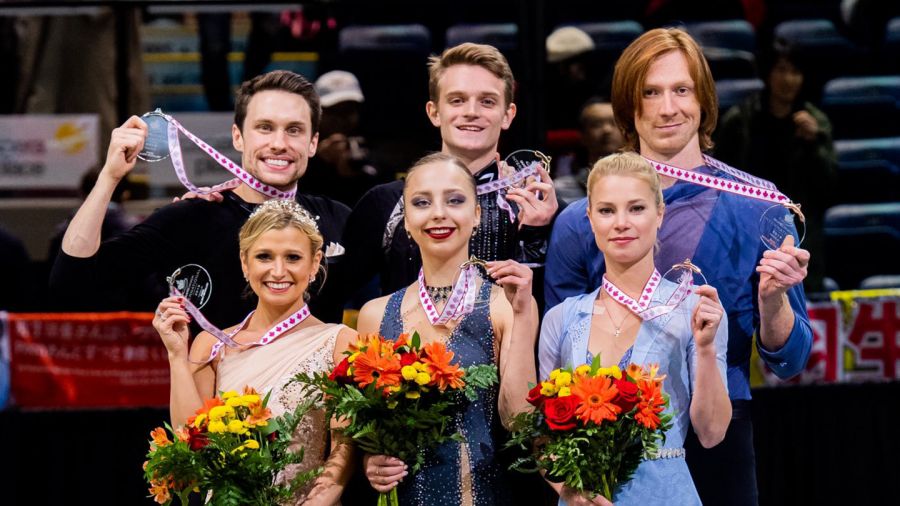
pixel 651 404
pixel 443 374
pixel 596 394
pixel 377 364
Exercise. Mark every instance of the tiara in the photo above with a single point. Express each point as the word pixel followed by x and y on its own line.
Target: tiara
pixel 290 206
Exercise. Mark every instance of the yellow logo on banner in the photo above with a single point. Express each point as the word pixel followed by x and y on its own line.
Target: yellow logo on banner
pixel 69 138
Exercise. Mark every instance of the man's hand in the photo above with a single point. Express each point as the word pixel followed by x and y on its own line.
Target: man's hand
pixel 781 269
pixel 124 145
pixel 537 201
pixel 807 127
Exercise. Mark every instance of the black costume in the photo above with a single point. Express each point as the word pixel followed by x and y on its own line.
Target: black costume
pixel 189 232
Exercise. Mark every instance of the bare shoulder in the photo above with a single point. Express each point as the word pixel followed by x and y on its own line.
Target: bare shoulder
pixel 344 338
pixel 371 314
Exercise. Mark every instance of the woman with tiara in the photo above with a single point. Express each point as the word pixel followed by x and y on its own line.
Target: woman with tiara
pixel 280 252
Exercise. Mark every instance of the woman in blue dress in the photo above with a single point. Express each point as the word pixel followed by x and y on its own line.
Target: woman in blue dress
pixel 688 342
pixel 440 215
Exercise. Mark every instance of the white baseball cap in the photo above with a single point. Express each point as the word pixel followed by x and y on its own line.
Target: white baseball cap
pixel 338 86
pixel 567 42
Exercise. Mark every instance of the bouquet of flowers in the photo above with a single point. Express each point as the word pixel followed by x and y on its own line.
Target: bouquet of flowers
pixel 396 397
pixel 230 452
pixel 592 426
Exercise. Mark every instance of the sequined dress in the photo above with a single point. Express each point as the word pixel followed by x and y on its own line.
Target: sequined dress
pixel 270 368
pixel 454 473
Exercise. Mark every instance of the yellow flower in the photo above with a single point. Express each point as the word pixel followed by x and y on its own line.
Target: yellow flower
pixel 249 399
pixel 420 366
pixel 233 402
pixel 409 372
pixel 216 427
pixel 393 389
pixel 220 412
pixel 229 394
pixel 613 371
pixel 392 404
pixel 548 388
pixel 413 394
pixel 553 374
pixel 352 357
pixel 564 392
pixel 236 427
pixel 199 420
pixel 563 379
pixel 423 378
pixel 583 369
pixel 252 444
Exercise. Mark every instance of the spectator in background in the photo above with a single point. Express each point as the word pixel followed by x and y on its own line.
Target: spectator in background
pixel 570 80
pixel 778 135
pixel 343 169
pixel 600 137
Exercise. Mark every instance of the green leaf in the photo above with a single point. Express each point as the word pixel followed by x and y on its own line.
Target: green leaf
pixel 416 341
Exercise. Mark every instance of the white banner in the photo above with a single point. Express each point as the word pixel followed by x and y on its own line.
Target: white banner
pixel 47 150
pixel 214 128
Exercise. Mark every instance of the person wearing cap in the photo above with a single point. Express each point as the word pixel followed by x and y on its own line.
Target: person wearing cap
pixel 343 168
pixel 570 76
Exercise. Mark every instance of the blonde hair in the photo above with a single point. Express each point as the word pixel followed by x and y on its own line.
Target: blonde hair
pixel 631 71
pixel 440 157
pixel 628 164
pixel 482 55
pixel 277 214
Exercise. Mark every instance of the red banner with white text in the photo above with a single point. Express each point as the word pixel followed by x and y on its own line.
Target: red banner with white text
pixel 86 360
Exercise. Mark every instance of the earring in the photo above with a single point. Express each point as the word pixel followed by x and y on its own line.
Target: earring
pixel 312 278
pixel 408 235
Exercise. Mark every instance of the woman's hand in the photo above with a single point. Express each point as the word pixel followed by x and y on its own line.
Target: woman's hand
pixel 171 321
pixel 515 279
pixel 383 472
pixel 575 498
pixel 707 315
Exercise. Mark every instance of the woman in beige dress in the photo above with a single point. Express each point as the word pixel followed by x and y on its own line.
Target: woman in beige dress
pixel 280 256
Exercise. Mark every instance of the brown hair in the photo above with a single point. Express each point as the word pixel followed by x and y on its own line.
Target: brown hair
pixel 279 80
pixel 628 164
pixel 277 214
pixel 631 72
pixel 468 53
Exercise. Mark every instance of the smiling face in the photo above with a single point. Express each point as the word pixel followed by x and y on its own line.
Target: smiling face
pixel 669 117
pixel 440 209
pixel 624 218
pixel 278 265
pixel 471 112
pixel 277 140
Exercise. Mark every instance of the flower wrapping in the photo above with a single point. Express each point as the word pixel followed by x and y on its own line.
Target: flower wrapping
pixel 230 452
pixel 398 397
pixel 592 426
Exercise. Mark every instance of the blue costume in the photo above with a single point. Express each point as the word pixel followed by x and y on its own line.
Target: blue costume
pixel 441 480
pixel 718 231
pixel 666 340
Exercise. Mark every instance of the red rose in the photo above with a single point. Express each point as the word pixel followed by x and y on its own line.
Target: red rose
pixel 197 439
pixel 560 412
pixel 408 358
pixel 535 398
pixel 339 373
pixel 628 395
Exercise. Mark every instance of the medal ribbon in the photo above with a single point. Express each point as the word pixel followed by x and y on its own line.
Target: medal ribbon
pixel 641 307
pixel 500 186
pixel 241 176
pixel 761 190
pixel 460 303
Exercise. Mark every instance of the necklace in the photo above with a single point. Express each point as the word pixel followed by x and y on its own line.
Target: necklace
pixel 439 293
pixel 618 328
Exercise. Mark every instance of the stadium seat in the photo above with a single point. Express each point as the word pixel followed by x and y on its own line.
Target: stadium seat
pixel 881 281
pixel 733 91
pixel 862 241
pixel 730 63
pixel 729 34
pixel 868 170
pixel 827 53
pixel 610 38
pixel 863 106
pixel 891 50
pixel 503 36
